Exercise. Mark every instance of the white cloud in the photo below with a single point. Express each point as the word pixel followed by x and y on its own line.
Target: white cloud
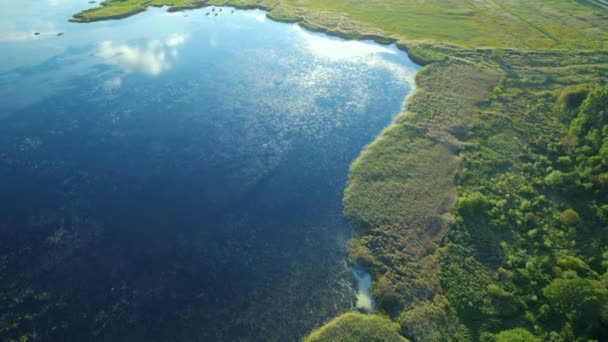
pixel 176 40
pixel 261 17
pixel 371 54
pixel 150 60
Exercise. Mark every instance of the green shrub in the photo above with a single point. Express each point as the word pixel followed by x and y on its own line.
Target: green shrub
pixel 580 301
pixel 360 254
pixel 428 321
pixel 472 204
pixel 572 97
pixel 592 112
pixel 573 263
pixel 570 217
pixel 505 304
pixel 462 334
pixel 556 179
pixel 387 298
pixel 497 291
pixel 516 335
pixel 564 161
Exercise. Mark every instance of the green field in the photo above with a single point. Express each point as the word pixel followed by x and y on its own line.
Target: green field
pixel 482 212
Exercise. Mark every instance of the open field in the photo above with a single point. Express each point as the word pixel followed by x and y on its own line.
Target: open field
pixel 482 211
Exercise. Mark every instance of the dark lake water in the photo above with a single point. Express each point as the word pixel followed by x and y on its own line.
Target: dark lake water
pixel 179 176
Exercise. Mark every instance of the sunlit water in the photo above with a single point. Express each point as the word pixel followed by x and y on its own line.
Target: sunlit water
pixel 179 176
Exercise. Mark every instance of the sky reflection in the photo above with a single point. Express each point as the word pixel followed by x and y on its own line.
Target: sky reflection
pixel 323 46
pixel 151 59
pixel 360 52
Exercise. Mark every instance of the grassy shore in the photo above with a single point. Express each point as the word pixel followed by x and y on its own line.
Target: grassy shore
pixel 482 211
pixel 357 327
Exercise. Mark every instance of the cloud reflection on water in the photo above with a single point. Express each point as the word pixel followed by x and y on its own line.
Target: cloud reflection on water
pixel 150 60
pixel 326 47
pixel 370 54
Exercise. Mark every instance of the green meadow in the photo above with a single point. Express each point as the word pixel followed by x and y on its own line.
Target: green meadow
pixel 482 211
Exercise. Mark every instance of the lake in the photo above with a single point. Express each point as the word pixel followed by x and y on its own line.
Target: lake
pixel 179 176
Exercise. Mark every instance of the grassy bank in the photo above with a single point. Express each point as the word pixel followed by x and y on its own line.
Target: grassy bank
pixel 355 327
pixel 482 211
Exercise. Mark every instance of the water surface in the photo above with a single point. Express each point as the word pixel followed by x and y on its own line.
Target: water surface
pixel 179 176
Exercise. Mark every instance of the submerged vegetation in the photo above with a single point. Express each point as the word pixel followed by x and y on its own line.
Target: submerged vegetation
pixel 482 212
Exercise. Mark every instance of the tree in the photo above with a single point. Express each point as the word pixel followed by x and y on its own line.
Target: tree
pixel 593 112
pixel 472 204
pixel 570 217
pixel 581 301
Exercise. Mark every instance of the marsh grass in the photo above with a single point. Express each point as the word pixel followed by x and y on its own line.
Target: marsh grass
pixel 357 327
